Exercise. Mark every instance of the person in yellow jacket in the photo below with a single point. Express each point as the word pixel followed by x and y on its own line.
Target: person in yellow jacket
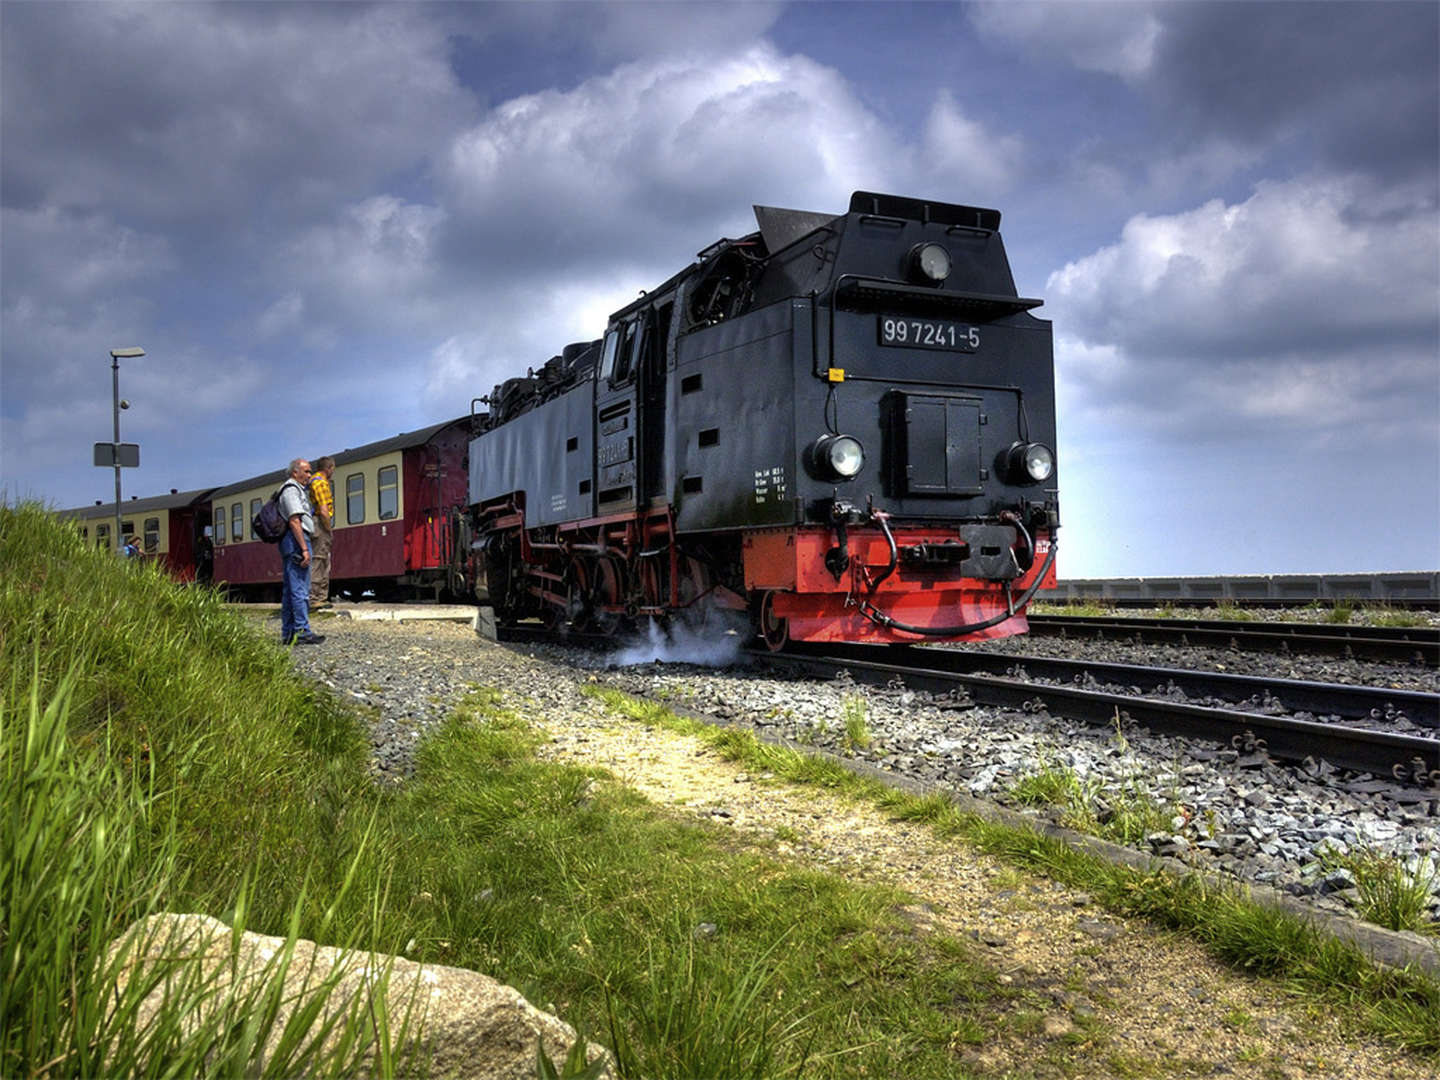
pixel 322 498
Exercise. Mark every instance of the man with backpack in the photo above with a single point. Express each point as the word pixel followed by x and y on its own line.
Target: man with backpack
pixel 294 500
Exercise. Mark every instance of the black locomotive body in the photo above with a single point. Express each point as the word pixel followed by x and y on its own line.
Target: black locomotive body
pixel 842 424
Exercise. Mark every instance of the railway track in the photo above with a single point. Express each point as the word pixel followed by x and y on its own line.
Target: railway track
pixel 1401 758
pixel 1408 644
pixel 1378 705
pixel 1406 759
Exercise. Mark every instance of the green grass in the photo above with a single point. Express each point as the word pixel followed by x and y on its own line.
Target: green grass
pixel 1124 812
pixel 1249 936
pixel 1387 893
pixel 159 754
pixel 855 723
pixel 155 755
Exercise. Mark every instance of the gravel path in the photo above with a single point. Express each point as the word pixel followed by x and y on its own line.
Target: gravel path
pixel 1153 998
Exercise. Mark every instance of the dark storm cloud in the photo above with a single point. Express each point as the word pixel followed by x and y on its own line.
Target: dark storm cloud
pixel 1229 87
pixel 217 113
pixel 1357 81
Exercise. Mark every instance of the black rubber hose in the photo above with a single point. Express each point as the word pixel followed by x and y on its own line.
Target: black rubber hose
pixel 880 619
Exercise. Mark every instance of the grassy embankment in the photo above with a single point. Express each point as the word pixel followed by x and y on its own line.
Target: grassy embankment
pixel 158 754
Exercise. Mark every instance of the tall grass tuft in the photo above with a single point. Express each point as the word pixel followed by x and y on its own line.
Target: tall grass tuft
pixel 151 750
pixel 1387 892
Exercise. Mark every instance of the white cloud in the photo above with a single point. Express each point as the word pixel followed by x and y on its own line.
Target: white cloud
pixel 970 157
pixel 1312 302
pixel 673 142
pixel 1114 39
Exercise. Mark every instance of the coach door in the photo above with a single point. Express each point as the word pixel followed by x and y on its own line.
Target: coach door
pixel 617 420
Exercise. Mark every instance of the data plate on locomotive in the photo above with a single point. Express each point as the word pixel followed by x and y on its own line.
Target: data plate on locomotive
pixel 912 333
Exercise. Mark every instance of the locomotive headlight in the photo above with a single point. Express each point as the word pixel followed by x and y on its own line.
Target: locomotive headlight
pixel 930 261
pixel 1030 463
pixel 838 457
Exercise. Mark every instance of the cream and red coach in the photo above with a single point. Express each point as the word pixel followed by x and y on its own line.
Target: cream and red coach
pixel 168 528
pixel 394 511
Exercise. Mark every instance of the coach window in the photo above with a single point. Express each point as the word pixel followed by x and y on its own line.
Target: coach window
pixel 237 521
pixel 152 535
pixel 255 505
pixel 102 536
pixel 388 488
pixel 219 537
pixel 355 498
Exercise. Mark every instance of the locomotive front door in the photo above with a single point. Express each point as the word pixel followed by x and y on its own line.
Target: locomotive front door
pixel 618 444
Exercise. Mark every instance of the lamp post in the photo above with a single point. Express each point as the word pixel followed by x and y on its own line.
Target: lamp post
pixel 115 354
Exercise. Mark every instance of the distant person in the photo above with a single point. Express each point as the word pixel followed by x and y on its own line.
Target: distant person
pixel 322 498
pixel 205 558
pixel 131 549
pixel 295 558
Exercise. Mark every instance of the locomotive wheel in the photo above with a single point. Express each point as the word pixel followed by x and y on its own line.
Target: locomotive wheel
pixel 773 628
pixel 605 589
pixel 694 582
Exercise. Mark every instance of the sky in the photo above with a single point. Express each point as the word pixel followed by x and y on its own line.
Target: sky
pixel 330 223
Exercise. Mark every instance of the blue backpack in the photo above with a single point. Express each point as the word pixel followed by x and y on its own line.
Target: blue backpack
pixel 269 523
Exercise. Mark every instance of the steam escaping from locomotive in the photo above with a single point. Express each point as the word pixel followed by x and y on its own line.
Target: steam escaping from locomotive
pixel 836 428
pixel 719 643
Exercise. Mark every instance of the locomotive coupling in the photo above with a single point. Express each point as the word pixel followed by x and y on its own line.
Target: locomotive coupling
pixel 842 514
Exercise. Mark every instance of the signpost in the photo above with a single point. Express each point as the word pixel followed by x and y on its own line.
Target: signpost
pixel 118 455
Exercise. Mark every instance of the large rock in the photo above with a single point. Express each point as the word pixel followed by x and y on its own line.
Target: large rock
pixel 469 1025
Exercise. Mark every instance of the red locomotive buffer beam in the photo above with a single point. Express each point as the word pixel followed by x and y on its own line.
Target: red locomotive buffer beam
pixel 790 565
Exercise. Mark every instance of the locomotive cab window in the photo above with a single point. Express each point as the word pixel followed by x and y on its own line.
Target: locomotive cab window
pixel 607 358
pixel 355 499
pixel 625 343
pixel 388 489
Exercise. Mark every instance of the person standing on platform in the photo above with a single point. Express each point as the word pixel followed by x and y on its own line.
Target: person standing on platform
pixel 295 558
pixel 322 500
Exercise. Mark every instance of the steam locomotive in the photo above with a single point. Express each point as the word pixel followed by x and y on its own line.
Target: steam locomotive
pixel 840 426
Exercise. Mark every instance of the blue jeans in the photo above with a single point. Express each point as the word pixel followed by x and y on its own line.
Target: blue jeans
pixel 295 589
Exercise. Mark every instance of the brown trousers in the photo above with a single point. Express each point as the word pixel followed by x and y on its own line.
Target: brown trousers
pixel 320 547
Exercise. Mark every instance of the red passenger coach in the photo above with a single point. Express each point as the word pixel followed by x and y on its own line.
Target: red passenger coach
pixel 169 528
pixel 393 518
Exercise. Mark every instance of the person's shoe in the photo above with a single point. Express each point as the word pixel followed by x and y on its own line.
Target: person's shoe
pixel 287 640
pixel 320 605
pixel 310 638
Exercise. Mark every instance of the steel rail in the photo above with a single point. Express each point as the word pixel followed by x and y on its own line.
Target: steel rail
pixel 1362 643
pixel 1296 695
pixel 1296 629
pixel 1404 758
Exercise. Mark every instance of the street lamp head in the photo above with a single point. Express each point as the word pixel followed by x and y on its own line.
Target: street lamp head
pixel 127 354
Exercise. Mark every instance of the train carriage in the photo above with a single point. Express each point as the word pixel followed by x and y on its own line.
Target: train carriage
pixel 394 508
pixel 168 528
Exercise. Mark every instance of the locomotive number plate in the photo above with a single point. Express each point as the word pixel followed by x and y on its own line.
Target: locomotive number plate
pixel 928 334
